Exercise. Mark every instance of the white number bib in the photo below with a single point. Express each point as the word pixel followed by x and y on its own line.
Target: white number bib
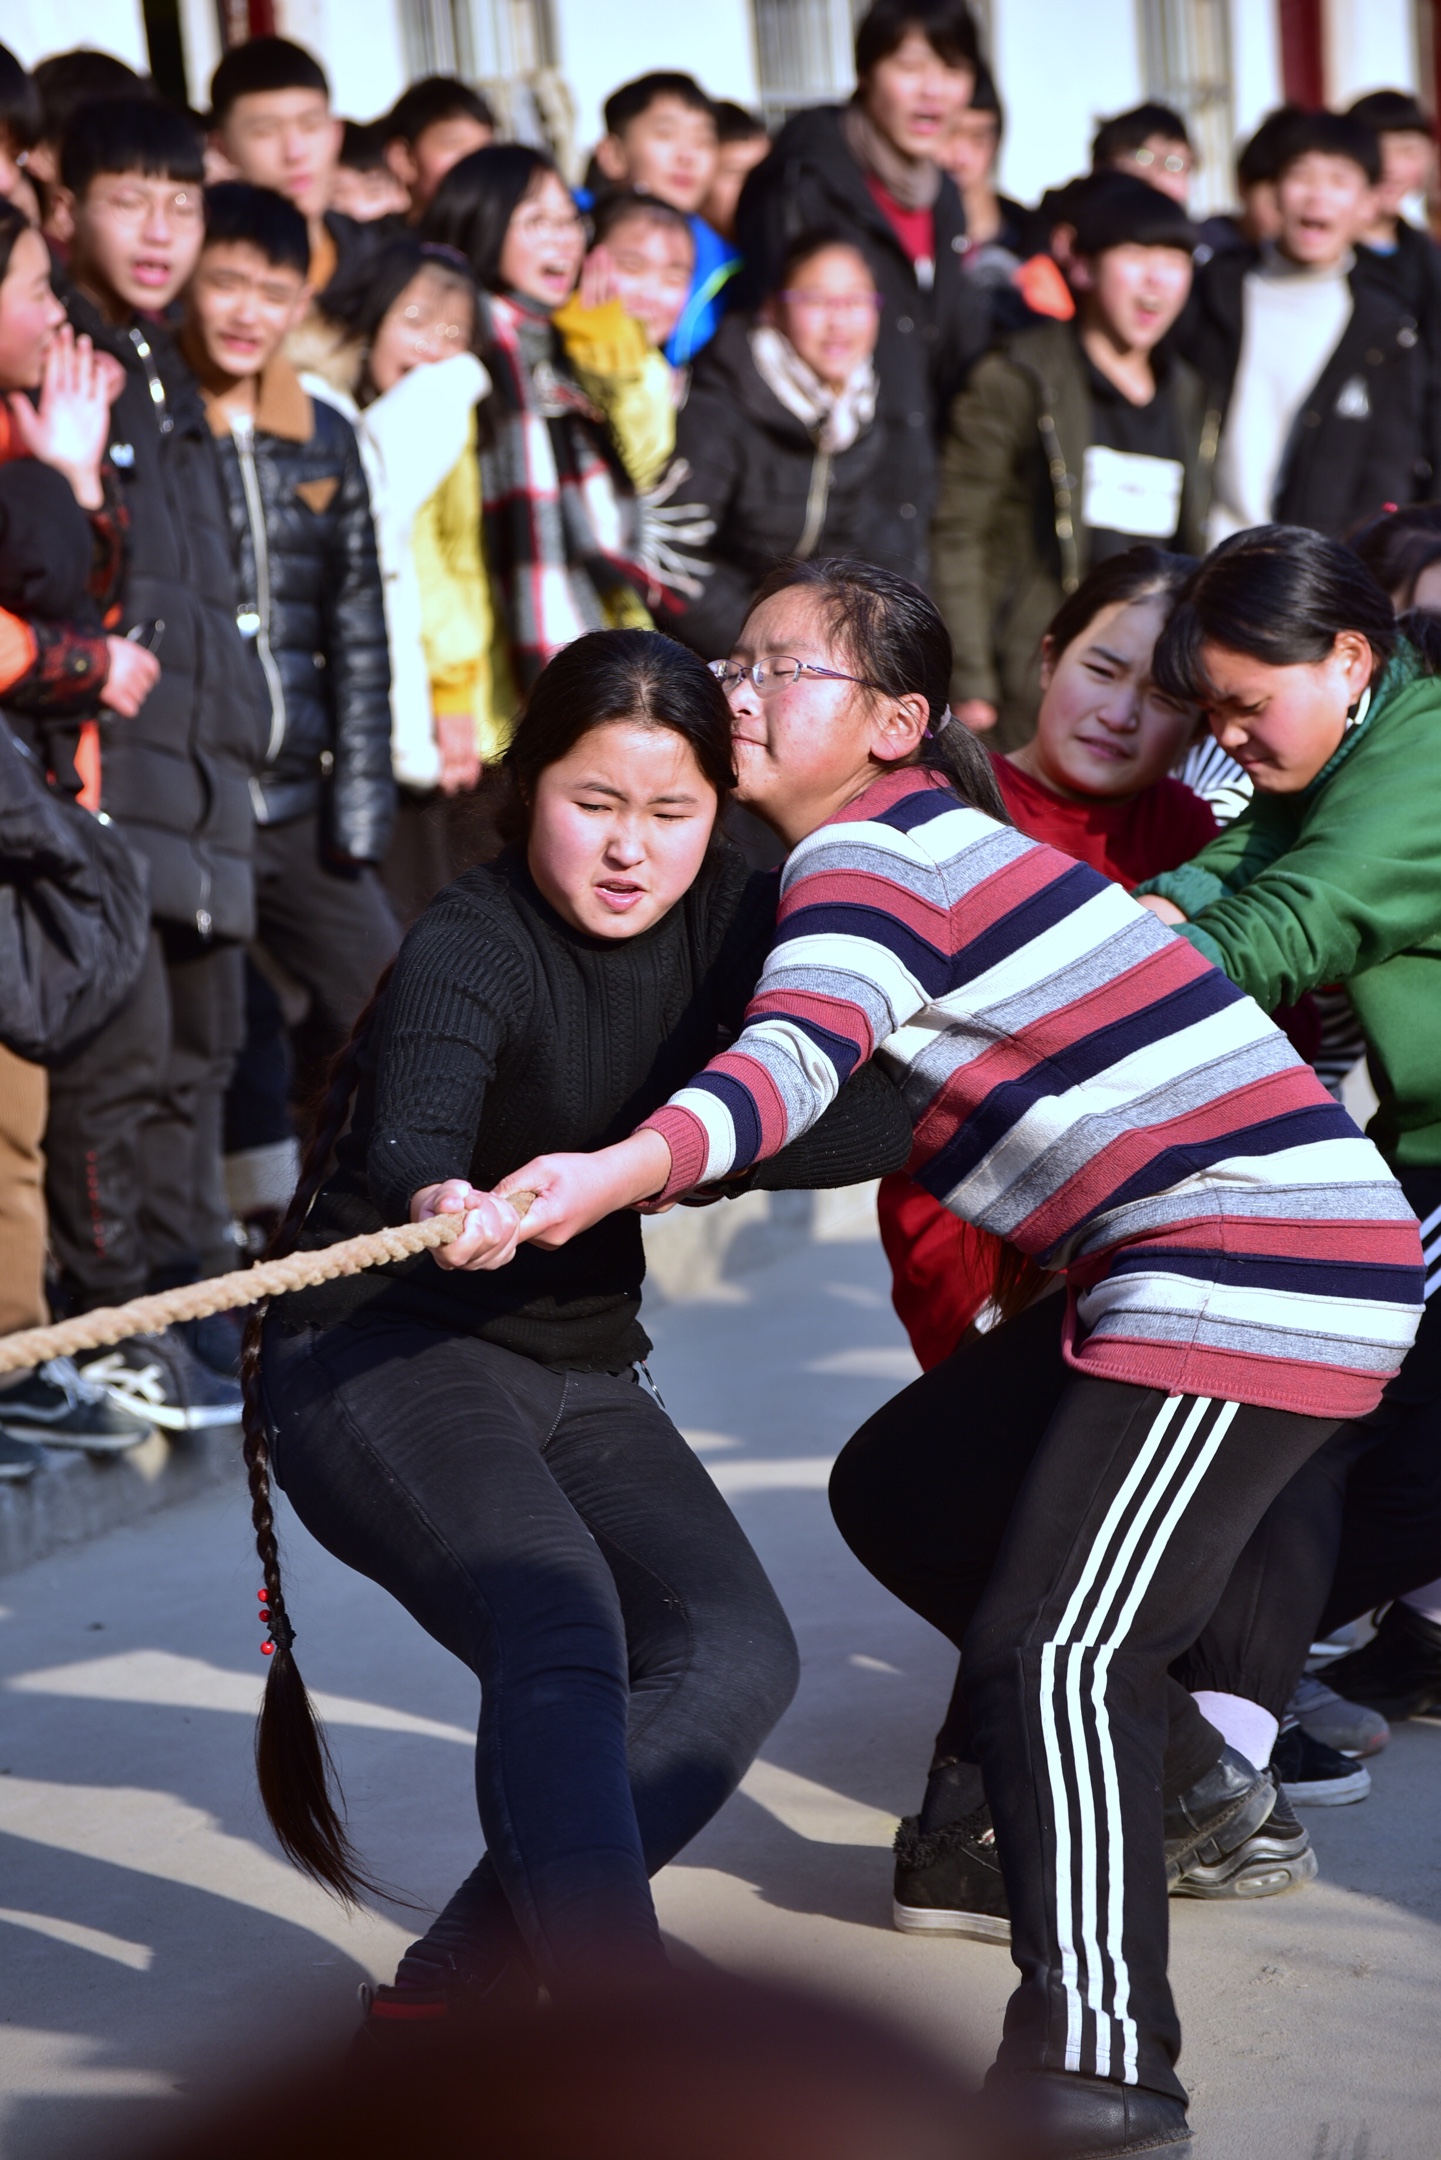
pixel 1125 493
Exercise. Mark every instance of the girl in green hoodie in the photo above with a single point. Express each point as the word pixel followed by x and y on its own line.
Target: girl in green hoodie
pixel 1332 876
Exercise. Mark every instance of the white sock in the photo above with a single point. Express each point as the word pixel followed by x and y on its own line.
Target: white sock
pixel 1243 1725
pixel 1426 1601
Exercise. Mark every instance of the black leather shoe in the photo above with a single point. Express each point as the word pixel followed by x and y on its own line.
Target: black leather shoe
pixel 1048 2115
pixel 1277 1857
pixel 1398 1672
pixel 1218 1813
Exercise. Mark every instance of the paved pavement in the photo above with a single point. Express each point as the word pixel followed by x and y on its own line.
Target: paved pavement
pixel 150 1937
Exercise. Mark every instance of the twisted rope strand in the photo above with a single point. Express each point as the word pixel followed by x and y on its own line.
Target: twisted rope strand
pixel 223 1293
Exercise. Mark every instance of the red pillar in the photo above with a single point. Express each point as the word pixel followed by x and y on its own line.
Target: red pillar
pixel 1303 55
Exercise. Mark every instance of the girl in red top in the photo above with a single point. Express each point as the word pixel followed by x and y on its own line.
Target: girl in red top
pixel 1093 781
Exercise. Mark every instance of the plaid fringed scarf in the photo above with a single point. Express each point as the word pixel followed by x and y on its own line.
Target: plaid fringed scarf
pixel 562 525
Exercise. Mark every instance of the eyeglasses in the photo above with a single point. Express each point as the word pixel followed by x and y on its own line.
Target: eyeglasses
pixel 768 675
pixel 539 225
pixel 1176 161
pixel 852 304
pixel 418 326
pixel 133 205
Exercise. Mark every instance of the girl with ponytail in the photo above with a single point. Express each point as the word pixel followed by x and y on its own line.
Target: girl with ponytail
pixel 1066 1496
pixel 474 1429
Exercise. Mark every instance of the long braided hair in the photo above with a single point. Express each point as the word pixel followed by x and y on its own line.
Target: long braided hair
pixel 293 1765
pixel 632 675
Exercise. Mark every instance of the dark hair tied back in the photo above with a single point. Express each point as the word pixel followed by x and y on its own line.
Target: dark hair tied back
pixel 1280 594
pixel 899 643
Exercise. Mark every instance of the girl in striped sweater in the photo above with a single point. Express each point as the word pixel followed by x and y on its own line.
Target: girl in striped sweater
pixel 1063 1498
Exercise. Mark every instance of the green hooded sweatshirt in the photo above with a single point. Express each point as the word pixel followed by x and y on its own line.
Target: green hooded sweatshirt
pixel 1341 883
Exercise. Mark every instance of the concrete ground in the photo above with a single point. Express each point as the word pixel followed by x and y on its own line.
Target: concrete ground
pixel 151 1938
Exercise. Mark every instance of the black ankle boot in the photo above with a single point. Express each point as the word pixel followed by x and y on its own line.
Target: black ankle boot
pixel 1398 1672
pixel 1050 2115
pixel 1217 1814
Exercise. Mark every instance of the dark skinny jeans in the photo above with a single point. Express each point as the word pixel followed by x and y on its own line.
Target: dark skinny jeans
pixel 555 1532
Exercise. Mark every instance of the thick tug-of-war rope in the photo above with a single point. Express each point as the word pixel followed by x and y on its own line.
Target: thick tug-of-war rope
pixel 224 1293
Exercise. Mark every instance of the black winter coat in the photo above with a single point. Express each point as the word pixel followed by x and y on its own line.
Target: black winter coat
pixel 74 916
pixel 1359 439
pixel 1412 276
pixel 176 778
pixel 928 340
pixel 312 608
pixel 756 470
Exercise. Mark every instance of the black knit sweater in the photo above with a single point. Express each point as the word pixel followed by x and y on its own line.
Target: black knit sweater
pixel 507 1034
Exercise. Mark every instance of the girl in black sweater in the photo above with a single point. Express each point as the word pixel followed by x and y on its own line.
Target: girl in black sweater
pixel 480 1437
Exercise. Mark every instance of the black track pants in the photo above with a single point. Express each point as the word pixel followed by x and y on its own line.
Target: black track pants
pixel 1071 1535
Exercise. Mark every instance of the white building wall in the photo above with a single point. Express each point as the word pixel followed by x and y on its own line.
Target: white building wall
pixel 1061 67
pixel 1256 83
pixel 1370 45
pixel 34 28
pixel 359 43
pixel 603 43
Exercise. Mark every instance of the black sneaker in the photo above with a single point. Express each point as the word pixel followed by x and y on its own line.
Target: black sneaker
pixel 948 1881
pixel 19 1460
pixel 1398 1672
pixel 1277 1857
pixel 58 1405
pixel 160 1377
pixel 1314 1775
pixel 398 2025
pixel 1217 1815
pixel 1052 2115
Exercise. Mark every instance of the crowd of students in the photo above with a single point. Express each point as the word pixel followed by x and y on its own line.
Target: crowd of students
pixel 377 511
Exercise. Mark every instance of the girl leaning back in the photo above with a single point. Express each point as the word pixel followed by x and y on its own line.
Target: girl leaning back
pixel 1065 1498
pixel 484 1444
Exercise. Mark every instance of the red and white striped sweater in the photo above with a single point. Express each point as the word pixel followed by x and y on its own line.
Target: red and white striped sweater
pixel 1083 1084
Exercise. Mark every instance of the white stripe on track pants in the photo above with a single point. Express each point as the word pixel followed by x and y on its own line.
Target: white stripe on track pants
pixel 1072 1535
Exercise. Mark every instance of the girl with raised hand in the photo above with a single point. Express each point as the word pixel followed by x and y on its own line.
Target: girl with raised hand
pixel 483 1440
pixel 1064 1498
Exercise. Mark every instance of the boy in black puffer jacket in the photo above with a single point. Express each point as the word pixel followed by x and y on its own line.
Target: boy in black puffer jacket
pixel 135 1186
pixel 311 609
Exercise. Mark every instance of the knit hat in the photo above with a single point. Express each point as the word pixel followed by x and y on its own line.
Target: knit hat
pixel 1111 209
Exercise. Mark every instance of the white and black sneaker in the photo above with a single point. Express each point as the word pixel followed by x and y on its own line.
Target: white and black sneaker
pixel 62 1408
pixel 1314 1775
pixel 160 1377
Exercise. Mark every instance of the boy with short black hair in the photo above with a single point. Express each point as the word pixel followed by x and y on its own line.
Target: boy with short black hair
pixel 742 141
pixel 1150 143
pixel 135 1189
pixel 364 187
pixel 1402 257
pixel 271 121
pixel 432 126
pixel 661 140
pixel 311 607
pixel 1099 398
pixel 64 82
pixel 1317 368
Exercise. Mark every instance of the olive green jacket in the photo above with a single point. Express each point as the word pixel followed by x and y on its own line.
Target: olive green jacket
pixel 1007 543
pixel 1341 883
